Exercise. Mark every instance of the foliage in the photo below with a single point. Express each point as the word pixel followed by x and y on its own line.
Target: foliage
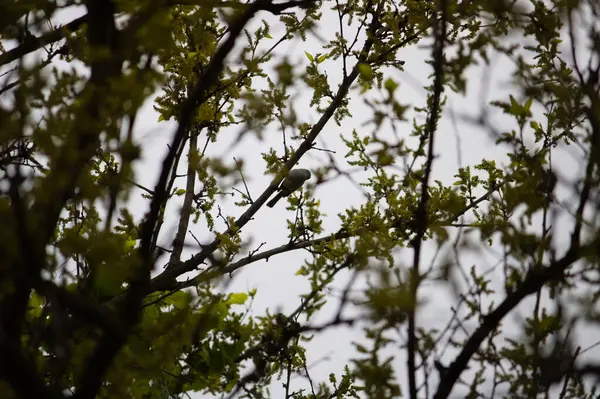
pixel 96 302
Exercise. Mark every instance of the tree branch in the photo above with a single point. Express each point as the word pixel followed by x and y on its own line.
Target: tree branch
pixel 167 277
pixel 35 43
pixel 197 96
pixel 421 217
pixel 534 281
pixel 207 275
pixel 232 267
pixel 537 278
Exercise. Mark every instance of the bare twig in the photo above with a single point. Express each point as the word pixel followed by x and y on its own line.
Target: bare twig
pixel 243 180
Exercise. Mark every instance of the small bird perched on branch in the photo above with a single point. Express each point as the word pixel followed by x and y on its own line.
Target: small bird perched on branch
pixel 294 180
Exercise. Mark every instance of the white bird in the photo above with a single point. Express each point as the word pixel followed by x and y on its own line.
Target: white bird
pixel 294 180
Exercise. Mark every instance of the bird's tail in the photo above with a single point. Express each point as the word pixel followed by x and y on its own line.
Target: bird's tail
pixel 272 203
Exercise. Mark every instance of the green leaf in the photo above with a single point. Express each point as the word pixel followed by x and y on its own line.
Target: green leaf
pixel 365 71
pixel 310 57
pixel 130 244
pixel 322 58
pixel 514 106
pixel 36 303
pixel 390 85
pixel 237 298
pixel 109 279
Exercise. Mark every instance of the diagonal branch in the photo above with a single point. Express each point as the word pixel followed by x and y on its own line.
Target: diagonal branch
pixel 232 267
pixel 340 235
pixel 110 344
pixel 532 283
pixel 167 277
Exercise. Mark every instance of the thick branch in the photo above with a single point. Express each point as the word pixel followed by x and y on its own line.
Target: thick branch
pixel 15 367
pixel 81 147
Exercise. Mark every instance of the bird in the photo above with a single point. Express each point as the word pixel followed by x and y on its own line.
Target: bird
pixel 293 181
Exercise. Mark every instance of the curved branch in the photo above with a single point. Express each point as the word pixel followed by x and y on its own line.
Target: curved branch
pixel 536 279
